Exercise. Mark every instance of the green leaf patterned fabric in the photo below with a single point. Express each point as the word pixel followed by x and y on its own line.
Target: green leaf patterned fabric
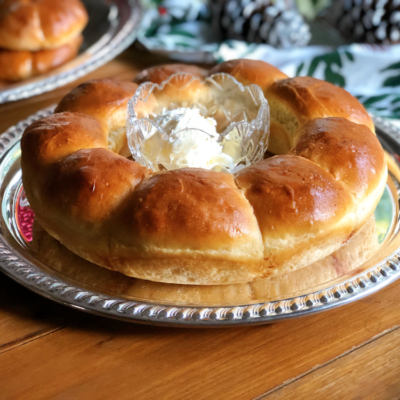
pixel 372 73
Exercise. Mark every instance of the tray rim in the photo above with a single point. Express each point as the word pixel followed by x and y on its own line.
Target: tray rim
pixel 120 41
pixel 54 288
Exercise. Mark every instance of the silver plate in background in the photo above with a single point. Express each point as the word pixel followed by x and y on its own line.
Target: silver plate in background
pixel 112 27
pixel 18 261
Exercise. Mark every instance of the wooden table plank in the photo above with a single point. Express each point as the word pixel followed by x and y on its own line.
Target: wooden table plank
pixel 90 355
pixel 24 315
pixel 371 372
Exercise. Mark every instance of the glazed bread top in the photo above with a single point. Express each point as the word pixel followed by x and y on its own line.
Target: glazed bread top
pixel 310 98
pixel 194 226
pixel 33 25
pixel 295 101
pixel 347 151
pixel 250 72
pixel 107 100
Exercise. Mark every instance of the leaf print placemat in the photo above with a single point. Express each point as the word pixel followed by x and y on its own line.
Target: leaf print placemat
pixel 371 73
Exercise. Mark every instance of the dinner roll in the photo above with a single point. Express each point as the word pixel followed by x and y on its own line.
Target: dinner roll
pixel 18 65
pixel 107 100
pixel 295 101
pixel 303 213
pixel 33 25
pixel 351 154
pixel 196 216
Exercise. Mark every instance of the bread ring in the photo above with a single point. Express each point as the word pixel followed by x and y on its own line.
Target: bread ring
pixel 18 65
pixel 193 226
pixel 33 25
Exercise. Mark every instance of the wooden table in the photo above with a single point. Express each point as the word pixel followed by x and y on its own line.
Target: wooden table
pixel 50 351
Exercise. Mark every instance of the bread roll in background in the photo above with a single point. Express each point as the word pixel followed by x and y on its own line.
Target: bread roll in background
pixel 19 65
pixel 33 25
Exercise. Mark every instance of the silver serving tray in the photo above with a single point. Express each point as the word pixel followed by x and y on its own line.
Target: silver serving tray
pixel 74 282
pixel 112 27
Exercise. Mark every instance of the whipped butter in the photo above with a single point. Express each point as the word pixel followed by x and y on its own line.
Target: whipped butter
pixel 192 141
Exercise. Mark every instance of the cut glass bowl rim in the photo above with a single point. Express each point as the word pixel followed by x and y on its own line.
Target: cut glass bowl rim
pixel 137 96
pixel 255 92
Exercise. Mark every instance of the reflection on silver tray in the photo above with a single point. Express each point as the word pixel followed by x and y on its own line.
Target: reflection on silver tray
pixel 46 267
pixel 112 27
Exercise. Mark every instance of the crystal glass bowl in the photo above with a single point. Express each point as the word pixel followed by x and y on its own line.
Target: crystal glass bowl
pixel 225 129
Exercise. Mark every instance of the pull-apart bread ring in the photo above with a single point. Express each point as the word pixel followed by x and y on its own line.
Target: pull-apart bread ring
pixel 194 226
pixel 32 25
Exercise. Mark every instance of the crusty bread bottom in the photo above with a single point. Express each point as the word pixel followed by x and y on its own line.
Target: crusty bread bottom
pixel 349 257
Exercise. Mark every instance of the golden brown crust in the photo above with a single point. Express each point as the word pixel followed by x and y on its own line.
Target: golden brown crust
pixel 192 210
pixel 298 206
pixel 181 87
pixel 52 138
pixel 160 73
pixel 33 25
pixel 309 98
pixel 89 184
pixel 19 65
pixel 295 101
pixel 107 100
pixel 350 152
pixel 249 72
pixel 100 98
pixel 292 195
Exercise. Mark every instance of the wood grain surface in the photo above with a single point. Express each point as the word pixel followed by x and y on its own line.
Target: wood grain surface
pixel 374 368
pixel 50 351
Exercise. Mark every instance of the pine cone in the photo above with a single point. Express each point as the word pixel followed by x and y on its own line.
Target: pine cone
pixel 371 21
pixel 277 23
